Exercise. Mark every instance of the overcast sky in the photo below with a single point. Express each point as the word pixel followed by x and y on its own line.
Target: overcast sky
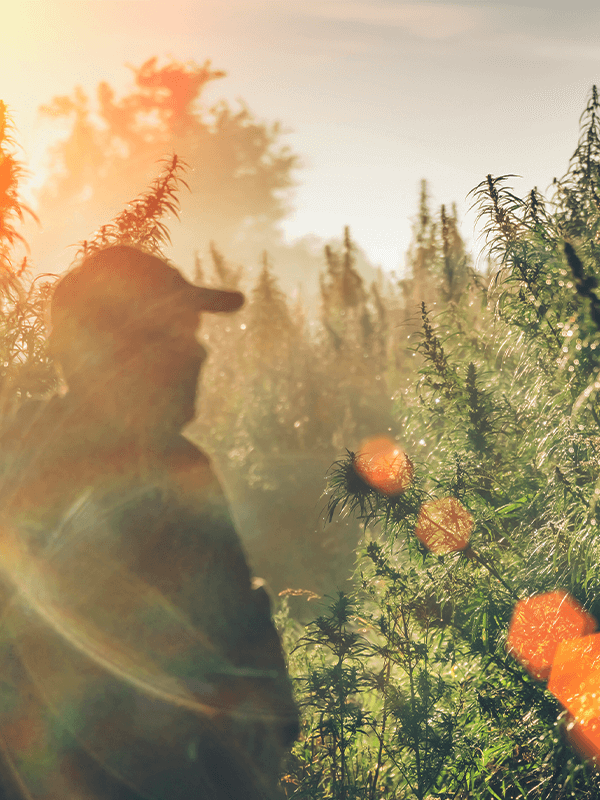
pixel 377 94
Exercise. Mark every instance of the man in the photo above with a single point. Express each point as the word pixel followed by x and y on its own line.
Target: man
pixel 136 659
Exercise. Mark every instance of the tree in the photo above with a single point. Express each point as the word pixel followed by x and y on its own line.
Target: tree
pixel 239 170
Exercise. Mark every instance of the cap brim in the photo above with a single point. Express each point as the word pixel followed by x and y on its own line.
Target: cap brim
pixel 216 300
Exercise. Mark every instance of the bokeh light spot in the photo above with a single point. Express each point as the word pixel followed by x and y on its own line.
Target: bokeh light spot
pixel 539 624
pixel 384 466
pixel 584 738
pixel 575 677
pixel 444 525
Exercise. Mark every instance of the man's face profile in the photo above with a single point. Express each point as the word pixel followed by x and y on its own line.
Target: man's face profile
pixel 125 330
pixel 164 360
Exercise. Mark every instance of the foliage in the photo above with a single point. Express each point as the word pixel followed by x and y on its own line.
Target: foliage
pixel 12 209
pixel 26 366
pixel 504 418
pixel 140 224
pixel 438 265
pixel 279 396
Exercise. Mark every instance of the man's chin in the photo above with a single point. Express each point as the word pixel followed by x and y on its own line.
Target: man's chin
pixel 187 416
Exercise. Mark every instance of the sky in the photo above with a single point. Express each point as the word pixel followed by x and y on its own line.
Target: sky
pixel 374 95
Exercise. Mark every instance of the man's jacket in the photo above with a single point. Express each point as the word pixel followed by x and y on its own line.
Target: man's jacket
pixel 136 658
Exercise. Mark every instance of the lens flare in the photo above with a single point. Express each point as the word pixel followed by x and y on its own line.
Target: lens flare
pixel 384 466
pixel 539 624
pixel 92 654
pixel 444 525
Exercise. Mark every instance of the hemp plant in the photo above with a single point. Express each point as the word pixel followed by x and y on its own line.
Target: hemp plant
pixel 503 420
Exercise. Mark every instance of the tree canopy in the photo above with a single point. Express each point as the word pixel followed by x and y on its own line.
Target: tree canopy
pixel 239 169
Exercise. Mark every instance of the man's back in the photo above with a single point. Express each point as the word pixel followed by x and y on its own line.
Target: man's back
pixel 137 659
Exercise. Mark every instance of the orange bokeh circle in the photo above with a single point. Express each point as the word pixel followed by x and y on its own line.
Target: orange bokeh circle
pixel 444 525
pixel 539 624
pixel 575 677
pixel 384 466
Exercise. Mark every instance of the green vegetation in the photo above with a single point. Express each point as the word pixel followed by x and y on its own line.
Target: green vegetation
pixel 25 368
pixel 401 669
pixel 408 689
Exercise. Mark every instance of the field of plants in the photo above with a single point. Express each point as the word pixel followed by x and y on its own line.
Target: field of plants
pixel 396 574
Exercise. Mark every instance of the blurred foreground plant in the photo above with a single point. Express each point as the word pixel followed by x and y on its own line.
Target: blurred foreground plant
pixel 25 367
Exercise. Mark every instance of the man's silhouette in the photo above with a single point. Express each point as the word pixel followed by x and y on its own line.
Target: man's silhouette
pixel 137 660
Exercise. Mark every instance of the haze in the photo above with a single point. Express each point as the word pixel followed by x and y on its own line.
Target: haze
pixel 376 95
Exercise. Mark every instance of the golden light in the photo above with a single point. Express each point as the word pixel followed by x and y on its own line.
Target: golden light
pixel 539 624
pixel 444 525
pixel 384 466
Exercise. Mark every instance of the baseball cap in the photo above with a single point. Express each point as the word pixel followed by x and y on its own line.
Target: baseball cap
pixel 121 287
